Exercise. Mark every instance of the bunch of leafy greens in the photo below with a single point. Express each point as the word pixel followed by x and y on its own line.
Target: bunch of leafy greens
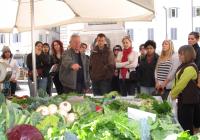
pixel 162 127
pixel 145 96
pixel 162 108
pixel 51 121
pixel 119 105
pixel 109 126
pixel 112 94
pixel 186 136
pixel 83 107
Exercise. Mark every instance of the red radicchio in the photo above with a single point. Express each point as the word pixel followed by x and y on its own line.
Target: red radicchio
pixel 24 132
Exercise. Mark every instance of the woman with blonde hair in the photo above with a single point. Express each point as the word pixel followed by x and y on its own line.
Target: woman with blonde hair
pixel 166 67
pixel 127 61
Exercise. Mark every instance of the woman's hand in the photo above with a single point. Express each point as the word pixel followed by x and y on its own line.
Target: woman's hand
pixel 157 86
pixel 172 96
pixel 164 84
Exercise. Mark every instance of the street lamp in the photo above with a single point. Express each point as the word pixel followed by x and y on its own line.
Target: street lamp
pixel 166 36
pixel 192 14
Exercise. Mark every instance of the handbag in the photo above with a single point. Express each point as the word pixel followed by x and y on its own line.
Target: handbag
pixel 133 76
pixel 54 69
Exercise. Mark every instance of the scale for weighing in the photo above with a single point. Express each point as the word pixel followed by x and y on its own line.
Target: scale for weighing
pixel 5 72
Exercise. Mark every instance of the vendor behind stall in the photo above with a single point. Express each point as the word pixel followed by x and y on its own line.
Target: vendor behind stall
pixel 9 87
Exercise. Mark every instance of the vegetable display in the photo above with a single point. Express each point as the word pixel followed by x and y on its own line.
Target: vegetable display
pixel 78 117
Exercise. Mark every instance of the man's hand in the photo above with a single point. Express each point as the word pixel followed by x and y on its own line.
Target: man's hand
pixel 75 67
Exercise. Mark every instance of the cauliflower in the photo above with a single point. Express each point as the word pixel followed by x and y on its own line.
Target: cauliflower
pixel 43 110
pixel 63 113
pixel 66 106
pixel 71 117
pixel 52 108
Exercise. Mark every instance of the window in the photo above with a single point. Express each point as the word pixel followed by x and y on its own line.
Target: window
pixel 150 33
pixel 55 29
pixel 196 11
pixel 2 38
pixel 173 33
pixel 16 37
pixel 173 12
pixel 41 37
pixel 197 29
pixel 130 33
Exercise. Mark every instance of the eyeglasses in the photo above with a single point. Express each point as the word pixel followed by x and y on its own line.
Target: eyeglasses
pixel 117 50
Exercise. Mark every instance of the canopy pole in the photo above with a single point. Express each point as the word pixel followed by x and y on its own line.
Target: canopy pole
pixel 34 83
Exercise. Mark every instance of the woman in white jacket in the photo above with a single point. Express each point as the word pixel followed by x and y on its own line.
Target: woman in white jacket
pixel 7 58
pixel 127 61
pixel 167 65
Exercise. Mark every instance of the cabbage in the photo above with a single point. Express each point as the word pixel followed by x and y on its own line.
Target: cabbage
pixel 25 132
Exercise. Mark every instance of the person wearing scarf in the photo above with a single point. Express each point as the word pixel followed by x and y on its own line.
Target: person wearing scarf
pixel 127 61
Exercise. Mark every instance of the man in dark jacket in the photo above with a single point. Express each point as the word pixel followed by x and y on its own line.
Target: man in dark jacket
pixel 101 66
pixel 74 70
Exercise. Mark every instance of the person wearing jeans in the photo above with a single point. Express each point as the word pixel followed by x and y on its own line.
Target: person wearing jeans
pixel 146 68
pixel 42 62
pixel 41 84
pixel 101 66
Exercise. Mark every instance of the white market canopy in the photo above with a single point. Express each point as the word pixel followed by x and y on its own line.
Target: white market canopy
pixel 50 13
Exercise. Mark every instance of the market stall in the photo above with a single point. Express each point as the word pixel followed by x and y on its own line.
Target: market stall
pixel 86 118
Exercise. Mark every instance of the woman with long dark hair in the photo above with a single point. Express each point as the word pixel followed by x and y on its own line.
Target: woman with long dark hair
pixel 193 39
pixel 57 51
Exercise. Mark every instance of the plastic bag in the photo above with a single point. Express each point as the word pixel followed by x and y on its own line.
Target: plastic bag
pixel 174 106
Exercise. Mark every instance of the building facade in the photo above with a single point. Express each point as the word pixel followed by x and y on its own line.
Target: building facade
pixel 174 19
pixel 21 42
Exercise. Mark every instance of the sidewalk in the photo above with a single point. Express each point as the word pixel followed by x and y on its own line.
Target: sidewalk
pixel 24 89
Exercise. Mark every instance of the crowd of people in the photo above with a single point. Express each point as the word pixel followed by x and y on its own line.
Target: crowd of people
pixel 169 75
